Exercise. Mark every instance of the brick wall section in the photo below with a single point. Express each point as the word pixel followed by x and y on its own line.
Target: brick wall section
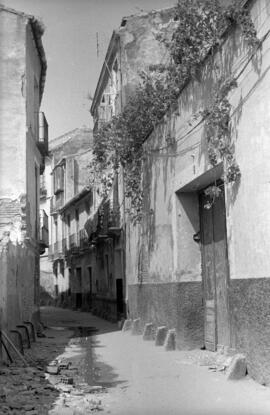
pixel 250 311
pixel 177 305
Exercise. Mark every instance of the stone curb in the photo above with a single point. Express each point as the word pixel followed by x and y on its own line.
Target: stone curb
pixel 148 333
pixel 170 340
pixel 127 325
pixel 136 327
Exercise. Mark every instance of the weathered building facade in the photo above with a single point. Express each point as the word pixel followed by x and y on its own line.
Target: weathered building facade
pixel 197 265
pixel 67 171
pixel 23 146
pixel 104 228
pixel 132 48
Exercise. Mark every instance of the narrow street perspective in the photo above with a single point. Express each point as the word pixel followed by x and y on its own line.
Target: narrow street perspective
pixel 134 207
pixel 84 364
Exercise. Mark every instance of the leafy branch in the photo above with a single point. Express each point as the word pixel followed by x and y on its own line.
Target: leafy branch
pixel 199 28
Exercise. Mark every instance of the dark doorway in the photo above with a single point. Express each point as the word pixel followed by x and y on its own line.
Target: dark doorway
pixel 119 296
pixel 215 271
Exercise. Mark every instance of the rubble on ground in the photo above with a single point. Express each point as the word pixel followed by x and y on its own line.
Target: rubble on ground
pixel 50 384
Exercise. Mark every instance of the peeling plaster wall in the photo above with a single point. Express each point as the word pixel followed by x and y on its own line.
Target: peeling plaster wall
pixel 139 47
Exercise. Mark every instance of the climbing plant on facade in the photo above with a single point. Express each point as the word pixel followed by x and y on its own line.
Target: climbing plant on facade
pixel 198 30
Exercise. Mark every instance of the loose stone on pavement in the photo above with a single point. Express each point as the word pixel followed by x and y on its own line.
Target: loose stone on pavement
pixel 52 384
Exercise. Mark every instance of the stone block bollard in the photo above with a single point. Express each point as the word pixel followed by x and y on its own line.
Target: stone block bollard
pixel 136 327
pixel 170 340
pixel 161 335
pixel 127 325
pixel 148 332
pixel 238 368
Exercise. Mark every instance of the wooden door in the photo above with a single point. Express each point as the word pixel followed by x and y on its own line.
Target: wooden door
pixel 215 272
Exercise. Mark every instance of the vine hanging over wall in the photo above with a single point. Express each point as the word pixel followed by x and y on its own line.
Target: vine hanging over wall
pixel 199 29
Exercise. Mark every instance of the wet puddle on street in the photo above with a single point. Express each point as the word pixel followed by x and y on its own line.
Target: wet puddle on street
pixel 80 359
pixel 78 375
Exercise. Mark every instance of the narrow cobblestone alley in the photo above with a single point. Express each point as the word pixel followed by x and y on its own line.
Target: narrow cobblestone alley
pixel 84 364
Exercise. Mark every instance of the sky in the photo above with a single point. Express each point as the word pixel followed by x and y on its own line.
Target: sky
pixel 70 43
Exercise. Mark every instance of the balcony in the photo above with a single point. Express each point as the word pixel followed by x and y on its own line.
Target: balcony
pixel 56 202
pixel 43 135
pixel 114 227
pixel 44 233
pixel 58 249
pixel 104 222
pixel 73 244
pixel 83 238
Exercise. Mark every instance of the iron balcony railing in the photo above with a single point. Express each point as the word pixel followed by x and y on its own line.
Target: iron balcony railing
pixel 104 222
pixel 56 202
pixel 83 238
pixel 114 217
pixel 73 243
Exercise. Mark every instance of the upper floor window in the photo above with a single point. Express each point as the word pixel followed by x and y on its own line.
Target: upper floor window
pixel 43 189
pixel 58 179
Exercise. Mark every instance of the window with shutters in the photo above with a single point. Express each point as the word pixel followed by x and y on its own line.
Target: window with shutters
pixel 58 176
